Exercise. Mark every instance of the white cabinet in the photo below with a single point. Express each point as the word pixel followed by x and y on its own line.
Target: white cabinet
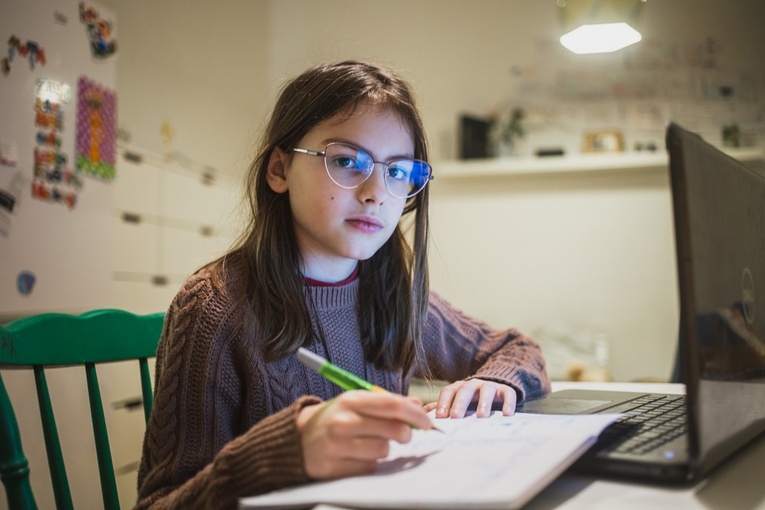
pixel 170 218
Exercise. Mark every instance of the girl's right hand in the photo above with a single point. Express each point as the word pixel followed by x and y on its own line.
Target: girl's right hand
pixel 347 435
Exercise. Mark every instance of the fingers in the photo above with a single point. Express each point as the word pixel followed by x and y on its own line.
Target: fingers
pixel 348 434
pixel 462 399
pixel 387 406
pixel 445 399
pixel 455 399
pixel 350 456
pixel 492 393
pixel 348 423
pixel 486 394
pixel 509 400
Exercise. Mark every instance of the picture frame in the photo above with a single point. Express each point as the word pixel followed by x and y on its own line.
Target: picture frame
pixel 603 141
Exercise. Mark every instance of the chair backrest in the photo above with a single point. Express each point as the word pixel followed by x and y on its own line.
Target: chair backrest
pixel 57 340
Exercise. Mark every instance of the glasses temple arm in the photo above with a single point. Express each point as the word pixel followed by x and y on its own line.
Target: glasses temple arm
pixel 309 152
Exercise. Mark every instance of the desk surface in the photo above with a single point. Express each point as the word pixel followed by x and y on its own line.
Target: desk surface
pixel 737 484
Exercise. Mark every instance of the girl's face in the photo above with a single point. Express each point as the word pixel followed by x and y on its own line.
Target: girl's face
pixel 336 227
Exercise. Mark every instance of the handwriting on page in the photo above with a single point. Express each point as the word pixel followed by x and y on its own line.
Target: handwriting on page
pixel 470 441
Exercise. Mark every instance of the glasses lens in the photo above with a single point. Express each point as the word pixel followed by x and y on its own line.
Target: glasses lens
pixel 347 166
pixel 406 177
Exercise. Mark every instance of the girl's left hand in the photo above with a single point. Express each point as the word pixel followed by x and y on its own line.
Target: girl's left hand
pixel 457 396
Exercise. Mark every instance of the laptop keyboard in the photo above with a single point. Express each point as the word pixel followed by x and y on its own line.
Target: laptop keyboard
pixel 651 421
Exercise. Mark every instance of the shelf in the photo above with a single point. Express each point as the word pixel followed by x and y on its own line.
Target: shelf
pixel 565 164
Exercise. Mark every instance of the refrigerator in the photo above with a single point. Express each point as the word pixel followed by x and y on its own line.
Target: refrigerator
pixel 58 129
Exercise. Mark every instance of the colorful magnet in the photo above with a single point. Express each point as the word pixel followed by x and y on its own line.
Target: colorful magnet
pixel 25 282
pixel 30 50
pixel 96 147
pixel 100 32
pixel 53 180
pixel 53 91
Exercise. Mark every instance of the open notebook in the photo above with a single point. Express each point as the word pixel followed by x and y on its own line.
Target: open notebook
pixel 497 462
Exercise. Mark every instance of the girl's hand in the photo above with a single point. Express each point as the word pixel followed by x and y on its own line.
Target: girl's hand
pixel 456 397
pixel 347 435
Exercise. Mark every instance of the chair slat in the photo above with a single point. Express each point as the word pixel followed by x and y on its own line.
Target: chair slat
pixel 146 389
pixel 103 451
pixel 61 492
pixel 14 468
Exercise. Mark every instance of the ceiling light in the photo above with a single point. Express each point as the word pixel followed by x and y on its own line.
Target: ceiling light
pixel 599 26
pixel 600 38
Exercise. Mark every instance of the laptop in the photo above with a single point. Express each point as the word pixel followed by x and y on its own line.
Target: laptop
pixel 719 220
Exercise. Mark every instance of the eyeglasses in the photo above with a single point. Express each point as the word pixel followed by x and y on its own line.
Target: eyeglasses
pixel 349 167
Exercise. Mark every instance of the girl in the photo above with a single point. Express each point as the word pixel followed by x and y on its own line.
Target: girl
pixel 324 264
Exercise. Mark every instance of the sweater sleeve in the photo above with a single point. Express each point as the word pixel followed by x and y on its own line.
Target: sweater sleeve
pixel 195 454
pixel 458 346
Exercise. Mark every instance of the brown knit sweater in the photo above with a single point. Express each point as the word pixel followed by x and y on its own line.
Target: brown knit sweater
pixel 223 424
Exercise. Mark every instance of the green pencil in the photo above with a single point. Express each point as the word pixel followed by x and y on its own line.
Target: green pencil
pixel 337 375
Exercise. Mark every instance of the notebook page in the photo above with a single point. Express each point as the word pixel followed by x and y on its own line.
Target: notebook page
pixel 496 462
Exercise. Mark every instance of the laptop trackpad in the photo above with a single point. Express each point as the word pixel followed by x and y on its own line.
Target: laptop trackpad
pixel 561 406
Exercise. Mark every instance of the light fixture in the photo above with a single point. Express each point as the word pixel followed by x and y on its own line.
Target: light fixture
pixel 599 26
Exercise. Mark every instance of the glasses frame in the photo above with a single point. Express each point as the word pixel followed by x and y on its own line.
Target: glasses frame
pixel 372 171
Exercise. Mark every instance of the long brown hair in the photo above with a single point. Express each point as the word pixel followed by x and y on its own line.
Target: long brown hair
pixel 393 283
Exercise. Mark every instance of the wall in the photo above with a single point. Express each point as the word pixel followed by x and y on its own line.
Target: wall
pixel 586 253
pixel 199 67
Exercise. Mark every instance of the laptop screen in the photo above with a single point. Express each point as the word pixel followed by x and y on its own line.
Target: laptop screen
pixel 720 238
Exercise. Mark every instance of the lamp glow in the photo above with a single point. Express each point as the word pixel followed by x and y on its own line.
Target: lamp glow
pixel 600 38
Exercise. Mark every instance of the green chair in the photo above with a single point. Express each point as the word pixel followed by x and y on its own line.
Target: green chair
pixel 53 340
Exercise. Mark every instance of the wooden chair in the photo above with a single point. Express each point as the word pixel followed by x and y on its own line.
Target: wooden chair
pixel 56 340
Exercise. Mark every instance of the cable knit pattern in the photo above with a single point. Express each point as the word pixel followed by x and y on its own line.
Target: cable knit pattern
pixel 223 424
